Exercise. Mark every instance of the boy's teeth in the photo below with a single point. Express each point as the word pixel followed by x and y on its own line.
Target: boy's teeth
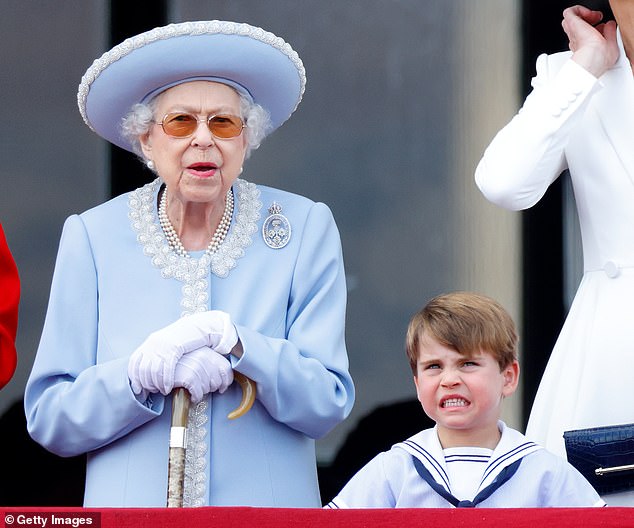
pixel 454 402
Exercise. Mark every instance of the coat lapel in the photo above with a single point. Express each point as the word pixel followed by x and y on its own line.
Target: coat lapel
pixel 615 108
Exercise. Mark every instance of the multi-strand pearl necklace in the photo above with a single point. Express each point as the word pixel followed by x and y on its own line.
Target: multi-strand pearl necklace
pixel 217 238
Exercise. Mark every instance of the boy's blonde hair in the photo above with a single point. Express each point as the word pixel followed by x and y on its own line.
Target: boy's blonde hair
pixel 467 323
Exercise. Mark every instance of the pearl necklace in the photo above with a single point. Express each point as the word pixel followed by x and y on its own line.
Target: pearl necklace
pixel 217 238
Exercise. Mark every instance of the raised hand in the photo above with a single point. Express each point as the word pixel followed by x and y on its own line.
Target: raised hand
pixel 592 42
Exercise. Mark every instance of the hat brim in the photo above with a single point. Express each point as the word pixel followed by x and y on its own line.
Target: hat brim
pixel 252 60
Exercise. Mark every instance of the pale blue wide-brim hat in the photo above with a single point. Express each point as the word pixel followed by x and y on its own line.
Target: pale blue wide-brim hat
pixel 255 62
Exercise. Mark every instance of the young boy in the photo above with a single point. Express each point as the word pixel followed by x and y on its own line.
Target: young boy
pixel 462 348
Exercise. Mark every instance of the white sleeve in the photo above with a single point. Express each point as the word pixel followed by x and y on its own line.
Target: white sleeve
pixel 370 487
pixel 568 487
pixel 528 154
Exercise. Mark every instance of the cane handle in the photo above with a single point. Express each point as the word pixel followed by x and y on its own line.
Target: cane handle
pixel 248 396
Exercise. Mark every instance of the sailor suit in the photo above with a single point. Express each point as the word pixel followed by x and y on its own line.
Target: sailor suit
pixel 415 474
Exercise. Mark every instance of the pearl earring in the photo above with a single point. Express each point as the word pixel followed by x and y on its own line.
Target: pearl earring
pixel 150 164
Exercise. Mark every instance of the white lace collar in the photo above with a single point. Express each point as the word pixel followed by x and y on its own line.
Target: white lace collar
pixel 191 271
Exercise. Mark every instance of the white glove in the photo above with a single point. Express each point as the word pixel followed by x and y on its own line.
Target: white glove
pixel 151 366
pixel 203 371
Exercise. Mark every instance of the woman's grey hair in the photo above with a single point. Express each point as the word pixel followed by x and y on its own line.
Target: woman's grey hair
pixel 141 116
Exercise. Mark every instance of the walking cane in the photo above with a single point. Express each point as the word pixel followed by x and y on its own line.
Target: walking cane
pixel 178 444
pixel 178 439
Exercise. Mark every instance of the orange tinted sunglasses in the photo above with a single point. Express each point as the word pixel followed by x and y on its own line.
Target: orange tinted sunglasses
pixel 182 124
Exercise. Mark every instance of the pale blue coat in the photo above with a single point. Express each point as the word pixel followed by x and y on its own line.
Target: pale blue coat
pixel 107 296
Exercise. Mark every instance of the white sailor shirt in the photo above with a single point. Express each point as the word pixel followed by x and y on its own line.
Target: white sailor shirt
pixel 519 474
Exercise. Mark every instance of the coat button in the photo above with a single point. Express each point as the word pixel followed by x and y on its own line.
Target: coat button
pixel 611 269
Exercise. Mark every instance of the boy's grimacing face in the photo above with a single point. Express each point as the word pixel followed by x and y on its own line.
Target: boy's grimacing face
pixel 463 395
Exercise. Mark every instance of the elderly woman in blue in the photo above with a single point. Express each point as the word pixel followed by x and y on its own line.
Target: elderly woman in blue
pixel 191 278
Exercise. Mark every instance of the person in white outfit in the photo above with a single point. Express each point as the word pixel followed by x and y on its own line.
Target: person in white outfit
pixel 580 116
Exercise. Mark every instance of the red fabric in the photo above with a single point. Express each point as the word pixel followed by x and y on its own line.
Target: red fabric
pixel 9 299
pixel 302 518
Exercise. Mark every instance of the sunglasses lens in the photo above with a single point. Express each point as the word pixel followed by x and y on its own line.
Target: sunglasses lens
pixel 225 126
pixel 179 125
pixel 184 125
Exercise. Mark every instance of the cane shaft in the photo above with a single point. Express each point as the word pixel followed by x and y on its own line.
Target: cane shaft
pixel 178 438
pixel 178 444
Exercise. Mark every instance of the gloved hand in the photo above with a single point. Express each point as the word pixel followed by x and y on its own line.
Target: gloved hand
pixel 151 366
pixel 203 371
